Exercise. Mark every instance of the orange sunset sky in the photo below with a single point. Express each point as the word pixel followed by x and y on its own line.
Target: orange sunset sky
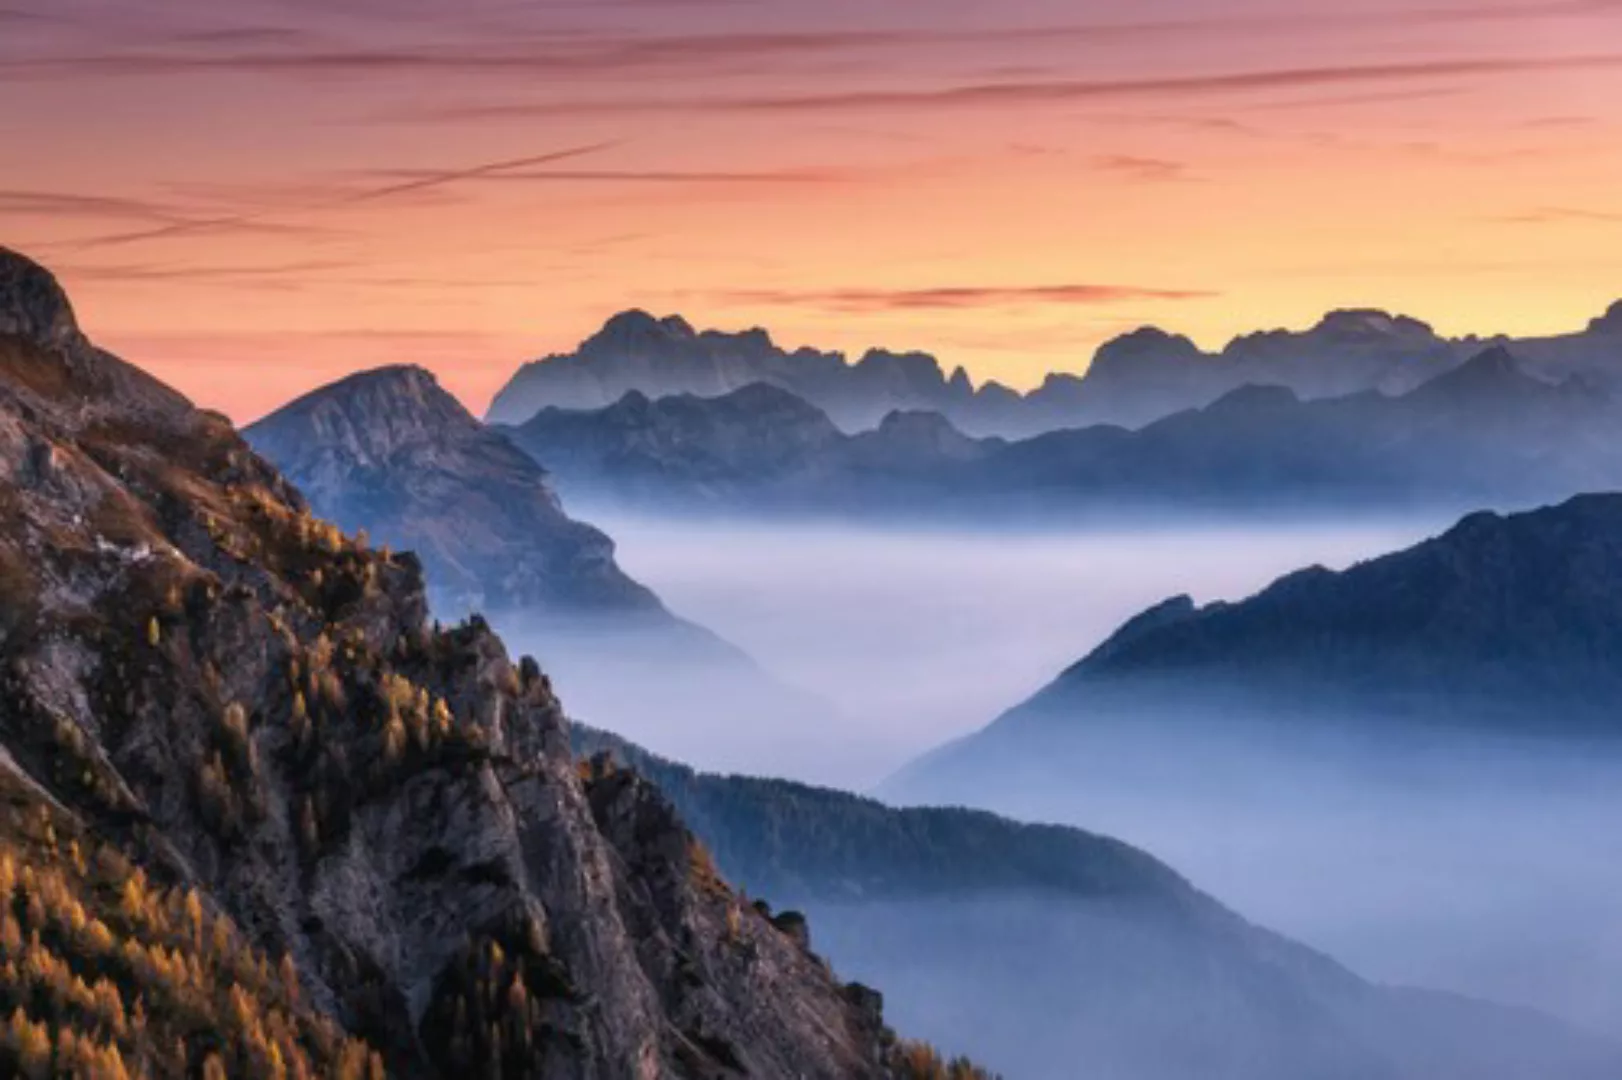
pixel 252 197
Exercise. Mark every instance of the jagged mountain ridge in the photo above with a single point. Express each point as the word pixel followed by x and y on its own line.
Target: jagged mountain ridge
pixel 1486 431
pixel 759 445
pixel 659 357
pixel 250 706
pixel 1132 380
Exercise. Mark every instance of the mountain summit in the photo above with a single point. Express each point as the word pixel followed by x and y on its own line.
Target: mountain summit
pixel 392 452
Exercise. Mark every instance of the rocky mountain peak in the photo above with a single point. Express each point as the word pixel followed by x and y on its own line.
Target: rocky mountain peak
pixel 912 368
pixel 33 305
pixel 1608 323
pixel 1492 375
pixel 1146 350
pixel 1254 397
pixel 638 329
pixel 376 413
pixel 1370 323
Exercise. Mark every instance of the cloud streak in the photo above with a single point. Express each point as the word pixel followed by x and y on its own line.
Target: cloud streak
pixel 426 180
pixel 656 176
pixel 1546 215
pixel 956 297
pixel 1144 170
pixel 1036 93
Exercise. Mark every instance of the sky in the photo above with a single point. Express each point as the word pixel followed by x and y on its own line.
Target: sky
pixel 253 197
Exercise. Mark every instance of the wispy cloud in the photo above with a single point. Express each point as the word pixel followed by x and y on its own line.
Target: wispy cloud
pixel 425 180
pixel 316 276
pixel 254 275
pixel 1545 215
pixel 1051 92
pixel 67 205
pixel 949 297
pixel 1147 170
pixel 655 176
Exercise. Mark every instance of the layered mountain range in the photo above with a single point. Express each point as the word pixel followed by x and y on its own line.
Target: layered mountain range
pixel 392 454
pixel 262 818
pixel 1132 380
pixel 1484 432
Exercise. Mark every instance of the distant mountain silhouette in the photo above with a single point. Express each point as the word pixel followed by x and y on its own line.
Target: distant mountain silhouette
pixel 635 351
pixel 1066 946
pixel 1132 380
pixel 758 447
pixel 1487 430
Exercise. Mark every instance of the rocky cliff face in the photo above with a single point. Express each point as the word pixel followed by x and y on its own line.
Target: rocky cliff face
pixel 246 705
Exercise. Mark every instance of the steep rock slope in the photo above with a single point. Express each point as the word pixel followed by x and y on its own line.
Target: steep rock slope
pixel 249 706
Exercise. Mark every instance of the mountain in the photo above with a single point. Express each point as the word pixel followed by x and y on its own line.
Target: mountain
pixel 759 447
pixel 661 357
pixel 1411 762
pixel 1041 946
pixel 1509 621
pixel 1132 380
pixel 261 818
pixel 1486 431
pixel 390 454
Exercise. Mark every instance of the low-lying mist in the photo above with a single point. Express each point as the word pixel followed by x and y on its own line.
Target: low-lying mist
pixel 1502 884
pixel 1450 860
pixel 917 637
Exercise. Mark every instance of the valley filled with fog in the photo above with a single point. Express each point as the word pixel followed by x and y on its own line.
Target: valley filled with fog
pixel 918 637
pixel 1490 879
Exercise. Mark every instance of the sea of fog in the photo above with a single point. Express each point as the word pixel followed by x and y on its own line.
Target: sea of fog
pixel 918 637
